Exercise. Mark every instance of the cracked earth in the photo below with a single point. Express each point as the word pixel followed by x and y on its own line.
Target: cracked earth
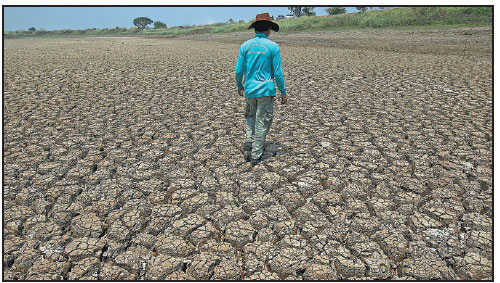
pixel 123 159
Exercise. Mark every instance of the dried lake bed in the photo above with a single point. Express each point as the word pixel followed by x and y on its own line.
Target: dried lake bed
pixel 123 159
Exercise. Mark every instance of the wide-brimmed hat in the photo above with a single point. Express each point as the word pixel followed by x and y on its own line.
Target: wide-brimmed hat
pixel 264 18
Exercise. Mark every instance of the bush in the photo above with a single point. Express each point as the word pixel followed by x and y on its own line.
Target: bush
pixel 158 24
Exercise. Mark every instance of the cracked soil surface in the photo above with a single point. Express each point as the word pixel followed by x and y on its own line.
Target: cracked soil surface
pixel 123 159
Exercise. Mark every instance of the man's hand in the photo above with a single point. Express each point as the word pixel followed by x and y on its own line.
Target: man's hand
pixel 241 92
pixel 284 99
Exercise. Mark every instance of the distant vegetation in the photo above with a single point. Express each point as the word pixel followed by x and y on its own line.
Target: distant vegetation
pixel 158 24
pixel 335 10
pixel 142 22
pixel 362 9
pixel 408 17
pixel 299 11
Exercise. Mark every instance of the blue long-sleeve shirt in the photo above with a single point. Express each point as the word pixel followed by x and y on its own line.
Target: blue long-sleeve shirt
pixel 260 61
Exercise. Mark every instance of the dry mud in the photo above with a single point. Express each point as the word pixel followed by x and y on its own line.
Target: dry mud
pixel 123 159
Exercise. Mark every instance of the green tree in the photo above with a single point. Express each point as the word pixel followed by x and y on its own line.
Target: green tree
pixel 142 22
pixel 230 21
pixel 299 11
pixel 158 24
pixel 32 29
pixel 335 10
pixel 296 11
pixel 362 9
pixel 308 11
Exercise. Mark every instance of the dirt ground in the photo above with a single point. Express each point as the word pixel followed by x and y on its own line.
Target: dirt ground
pixel 123 159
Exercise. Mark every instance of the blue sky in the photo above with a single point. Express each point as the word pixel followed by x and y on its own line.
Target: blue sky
pixel 55 18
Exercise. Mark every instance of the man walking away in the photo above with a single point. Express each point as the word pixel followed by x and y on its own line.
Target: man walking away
pixel 259 60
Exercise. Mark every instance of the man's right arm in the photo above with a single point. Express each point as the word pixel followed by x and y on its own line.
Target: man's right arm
pixel 239 69
pixel 278 72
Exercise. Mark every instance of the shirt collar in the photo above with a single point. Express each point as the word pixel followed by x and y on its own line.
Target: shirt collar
pixel 261 35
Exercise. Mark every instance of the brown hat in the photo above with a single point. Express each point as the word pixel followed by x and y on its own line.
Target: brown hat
pixel 264 20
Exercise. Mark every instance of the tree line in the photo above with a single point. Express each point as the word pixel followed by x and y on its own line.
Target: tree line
pixel 143 22
pixel 296 11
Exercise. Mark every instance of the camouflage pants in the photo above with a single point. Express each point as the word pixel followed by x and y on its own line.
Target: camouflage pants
pixel 258 116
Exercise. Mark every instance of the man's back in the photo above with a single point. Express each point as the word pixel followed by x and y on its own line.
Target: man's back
pixel 260 61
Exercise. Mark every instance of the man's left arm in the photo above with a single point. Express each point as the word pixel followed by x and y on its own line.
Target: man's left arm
pixel 239 71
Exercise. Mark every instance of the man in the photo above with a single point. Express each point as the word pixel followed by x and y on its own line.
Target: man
pixel 259 60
